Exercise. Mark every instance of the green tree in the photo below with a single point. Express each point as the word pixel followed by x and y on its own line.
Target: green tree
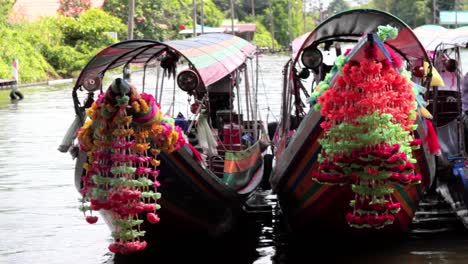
pixel 33 66
pixel 55 46
pixel 212 16
pixel 384 5
pixel 275 18
pixel 263 37
pixel 161 19
pixel 259 6
pixel 90 28
pixel 284 33
pixel 5 8
pixel 442 5
pixel 337 6
pixel 223 5
pixel 411 12
pixel 83 37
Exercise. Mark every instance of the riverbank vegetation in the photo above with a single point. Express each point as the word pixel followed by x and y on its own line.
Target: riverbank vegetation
pixel 59 47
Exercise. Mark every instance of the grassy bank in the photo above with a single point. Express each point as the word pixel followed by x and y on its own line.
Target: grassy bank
pixel 55 48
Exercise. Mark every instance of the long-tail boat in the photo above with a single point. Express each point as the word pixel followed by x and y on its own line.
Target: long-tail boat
pixel 444 47
pixel 159 175
pixel 355 147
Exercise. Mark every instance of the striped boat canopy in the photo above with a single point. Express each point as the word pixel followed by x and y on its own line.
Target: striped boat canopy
pixel 353 24
pixel 432 35
pixel 213 56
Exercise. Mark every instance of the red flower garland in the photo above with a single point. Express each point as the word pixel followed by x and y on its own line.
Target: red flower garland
pixel 368 90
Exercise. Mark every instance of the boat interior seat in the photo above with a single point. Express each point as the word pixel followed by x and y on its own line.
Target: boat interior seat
pixel 447 106
pixel 226 117
pixel 216 163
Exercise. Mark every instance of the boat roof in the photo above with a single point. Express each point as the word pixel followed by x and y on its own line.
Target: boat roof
pixel 355 23
pixel 433 35
pixel 213 55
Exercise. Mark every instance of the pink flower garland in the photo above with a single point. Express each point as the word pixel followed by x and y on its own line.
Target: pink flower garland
pixel 121 174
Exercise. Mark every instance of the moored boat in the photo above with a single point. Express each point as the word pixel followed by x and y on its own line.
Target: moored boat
pixel 362 156
pixel 154 176
pixel 449 110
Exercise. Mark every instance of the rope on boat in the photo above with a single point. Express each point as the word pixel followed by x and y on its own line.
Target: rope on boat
pixel 247 102
pixel 158 73
pixel 253 107
pixel 255 87
pixel 162 87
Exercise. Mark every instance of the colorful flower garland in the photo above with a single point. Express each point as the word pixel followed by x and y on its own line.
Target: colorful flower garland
pixel 370 108
pixel 122 139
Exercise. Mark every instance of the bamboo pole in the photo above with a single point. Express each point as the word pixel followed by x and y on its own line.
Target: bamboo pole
pixel 194 17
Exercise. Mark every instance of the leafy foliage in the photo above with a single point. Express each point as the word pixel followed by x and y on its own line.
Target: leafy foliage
pixel 337 6
pixel 83 37
pixel 5 8
pixel 65 44
pixel 272 14
pixel 161 19
pixel 33 66
pixel 212 15
pixel 90 28
pixel 411 12
pixel 263 38
pixel 433 15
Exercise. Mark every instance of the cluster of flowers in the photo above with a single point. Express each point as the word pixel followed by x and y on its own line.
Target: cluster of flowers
pixel 367 87
pixel 381 162
pixel 369 108
pixel 123 138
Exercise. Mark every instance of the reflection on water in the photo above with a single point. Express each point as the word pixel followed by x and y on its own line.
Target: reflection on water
pixel 40 222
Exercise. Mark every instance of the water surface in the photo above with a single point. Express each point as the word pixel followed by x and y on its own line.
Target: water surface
pixel 40 222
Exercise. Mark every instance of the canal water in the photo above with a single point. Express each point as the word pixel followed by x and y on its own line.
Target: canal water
pixel 40 222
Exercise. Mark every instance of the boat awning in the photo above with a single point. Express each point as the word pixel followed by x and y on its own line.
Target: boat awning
pixel 357 22
pixel 431 36
pixel 213 55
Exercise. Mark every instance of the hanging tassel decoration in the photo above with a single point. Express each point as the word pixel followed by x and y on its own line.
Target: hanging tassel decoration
pixel 432 139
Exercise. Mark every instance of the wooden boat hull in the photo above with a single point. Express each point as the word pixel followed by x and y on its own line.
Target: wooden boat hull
pixel 139 157
pixel 193 203
pixel 337 173
pixel 308 206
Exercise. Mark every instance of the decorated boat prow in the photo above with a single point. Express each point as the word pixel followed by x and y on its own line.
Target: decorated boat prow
pixel 362 157
pixel 156 177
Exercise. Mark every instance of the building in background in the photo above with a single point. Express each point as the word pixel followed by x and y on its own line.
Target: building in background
pixel 27 10
pixel 243 30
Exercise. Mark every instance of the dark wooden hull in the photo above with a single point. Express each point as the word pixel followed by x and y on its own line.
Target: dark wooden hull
pixel 308 206
pixel 194 203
